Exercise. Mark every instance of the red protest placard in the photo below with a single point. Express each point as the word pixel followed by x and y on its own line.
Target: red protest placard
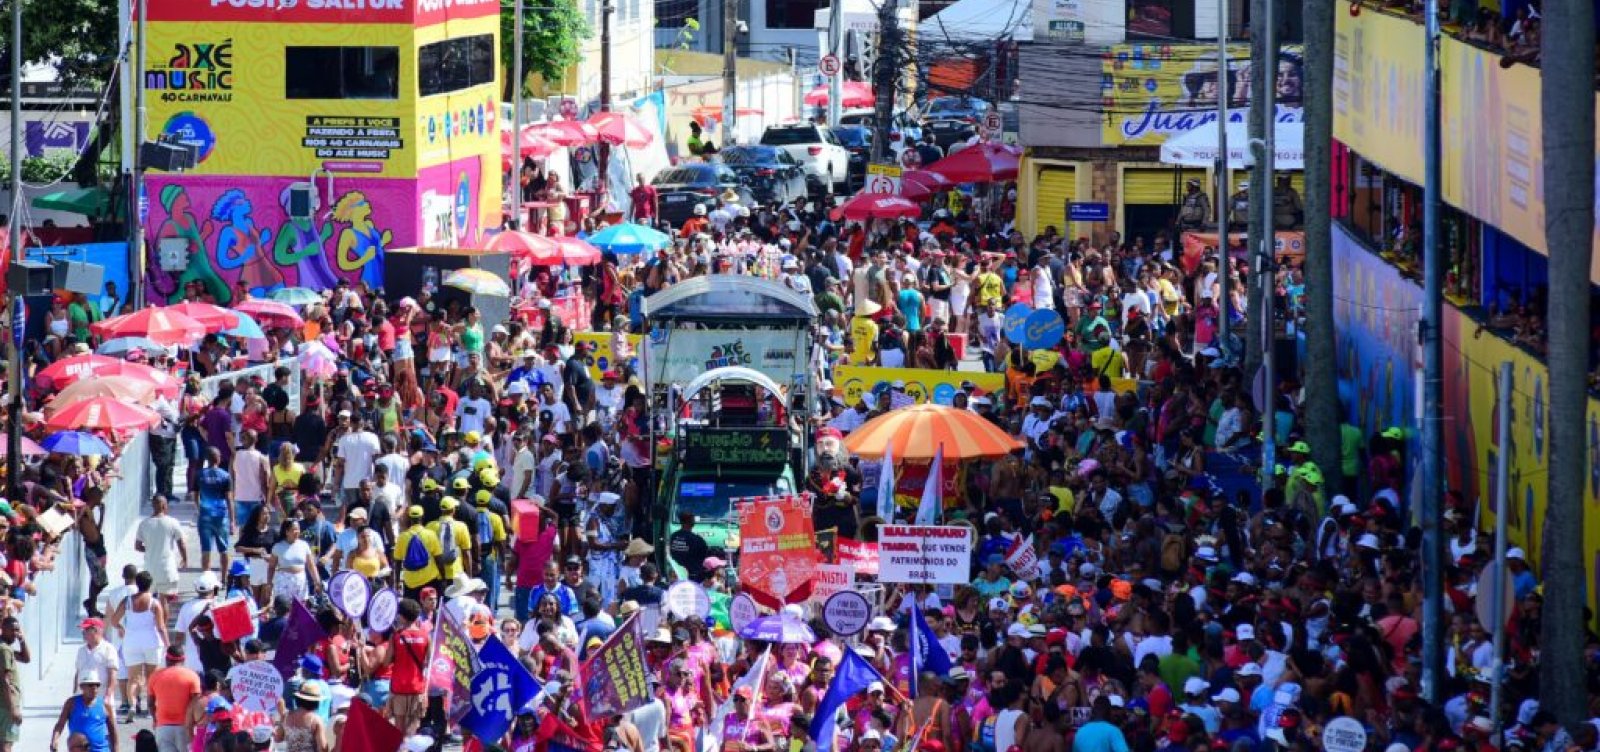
pixel 777 550
pixel 232 619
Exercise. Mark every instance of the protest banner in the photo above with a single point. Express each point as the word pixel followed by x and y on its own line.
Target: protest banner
pixel 924 554
pixel 777 549
pixel 686 599
pixel 1023 558
pixel 257 686
pixel 861 555
pixel 454 664
pixel 501 687
pixel 911 479
pixel 830 579
pixel 614 677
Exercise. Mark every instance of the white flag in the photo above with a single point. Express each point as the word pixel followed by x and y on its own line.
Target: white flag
pixel 754 678
pixel 886 486
pixel 932 506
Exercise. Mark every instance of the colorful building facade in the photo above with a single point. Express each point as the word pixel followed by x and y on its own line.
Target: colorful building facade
pixel 328 132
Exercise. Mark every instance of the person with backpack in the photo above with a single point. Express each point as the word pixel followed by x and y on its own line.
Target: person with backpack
pixel 455 540
pixel 488 544
pixel 415 549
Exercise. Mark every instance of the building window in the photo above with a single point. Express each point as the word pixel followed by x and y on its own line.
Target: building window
pixel 675 14
pixel 341 73
pixel 1151 18
pixel 792 14
pixel 455 64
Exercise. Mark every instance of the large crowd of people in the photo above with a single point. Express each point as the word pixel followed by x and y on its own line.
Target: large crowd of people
pixel 491 478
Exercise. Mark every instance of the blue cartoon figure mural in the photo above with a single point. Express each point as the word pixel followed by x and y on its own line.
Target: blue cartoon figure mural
pixel 361 244
pixel 302 244
pixel 242 245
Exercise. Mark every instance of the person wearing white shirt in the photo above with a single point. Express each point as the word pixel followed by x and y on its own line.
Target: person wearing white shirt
pixel 560 416
pixel 1037 424
pixel 96 656
pixel 608 399
pixel 397 462
pixel 472 413
pixel 523 466
pixel 355 452
pixel 206 588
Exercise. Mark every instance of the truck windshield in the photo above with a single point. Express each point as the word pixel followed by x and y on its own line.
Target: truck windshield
pixel 712 498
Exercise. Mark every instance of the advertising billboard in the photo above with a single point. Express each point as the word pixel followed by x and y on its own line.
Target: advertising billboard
pixel 1151 92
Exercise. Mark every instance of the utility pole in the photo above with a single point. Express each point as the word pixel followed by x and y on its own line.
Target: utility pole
pixel 885 74
pixel 136 241
pixel 19 307
pixel 606 9
pixel 1253 339
pixel 1265 270
pixel 1566 103
pixel 730 69
pixel 1502 497
pixel 1432 369
pixel 514 182
pixel 1224 93
pixel 836 47
pixel 1322 386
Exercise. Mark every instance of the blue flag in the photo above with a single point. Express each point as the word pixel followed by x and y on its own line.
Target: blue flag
pixel 926 652
pixel 498 690
pixel 853 676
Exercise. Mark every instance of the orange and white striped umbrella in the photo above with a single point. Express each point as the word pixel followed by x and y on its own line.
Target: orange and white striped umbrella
pixel 918 432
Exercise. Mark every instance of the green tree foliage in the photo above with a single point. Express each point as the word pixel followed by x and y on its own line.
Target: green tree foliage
pixel 551 33
pixel 78 37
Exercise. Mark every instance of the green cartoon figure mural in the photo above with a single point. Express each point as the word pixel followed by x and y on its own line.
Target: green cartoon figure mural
pixel 181 222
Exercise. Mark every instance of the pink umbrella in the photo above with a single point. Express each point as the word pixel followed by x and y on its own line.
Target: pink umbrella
pixel 163 326
pixel 535 249
pixel 853 94
pixel 567 132
pixel 984 163
pixel 920 184
pixel 30 448
pixel 214 318
pixel 577 252
pixel 622 128
pixel 533 145
pixel 864 206
pixel 270 312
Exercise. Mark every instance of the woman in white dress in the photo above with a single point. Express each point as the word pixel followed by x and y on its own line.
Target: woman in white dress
pixel 607 533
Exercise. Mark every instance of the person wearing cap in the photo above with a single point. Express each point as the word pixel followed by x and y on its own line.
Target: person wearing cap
pixel 172 689
pixel 455 540
pixel 98 656
pixel 302 729
pixel 416 550
pixel 360 548
pixel 86 714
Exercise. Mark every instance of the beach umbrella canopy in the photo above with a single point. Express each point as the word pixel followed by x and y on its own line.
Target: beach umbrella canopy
pixel 296 296
pixel 627 237
pixel 77 443
pixel 68 370
pixel 160 325
pixel 577 252
pixel 851 93
pixel 103 414
pixel 247 328
pixel 864 206
pixel 533 248
pixel 30 448
pixel 567 132
pixel 780 629
pixel 622 128
pixel 270 312
pixel 533 144
pixel 215 318
pixel 165 382
pixel 920 184
pixel 121 346
pixel 125 388
pixel 478 282
pixel 919 431
pixel 984 163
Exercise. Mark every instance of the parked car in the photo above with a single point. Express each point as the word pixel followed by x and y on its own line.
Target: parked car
pixel 680 189
pixel 771 174
pixel 817 149
pixel 858 139
pixel 952 120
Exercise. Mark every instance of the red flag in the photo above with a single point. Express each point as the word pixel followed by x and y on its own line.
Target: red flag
pixel 365 730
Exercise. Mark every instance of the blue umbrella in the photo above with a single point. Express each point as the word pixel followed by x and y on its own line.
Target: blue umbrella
pixel 78 443
pixel 123 345
pixel 247 328
pixel 296 296
pixel 629 238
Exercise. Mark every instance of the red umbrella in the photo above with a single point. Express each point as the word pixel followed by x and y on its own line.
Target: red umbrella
pixel 854 94
pixel 103 414
pixel 30 448
pixel 863 206
pixel 160 325
pixel 65 371
pixel 165 382
pixel 622 128
pixel 984 163
pixel 712 112
pixel 533 145
pixel 577 252
pixel 215 318
pixel 536 249
pixel 270 312
pixel 567 132
pixel 920 184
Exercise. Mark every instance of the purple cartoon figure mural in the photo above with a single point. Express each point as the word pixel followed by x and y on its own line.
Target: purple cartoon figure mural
pixel 302 245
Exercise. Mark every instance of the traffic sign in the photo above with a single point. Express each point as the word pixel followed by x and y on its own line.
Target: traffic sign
pixel 829 65
pixel 883 178
pixel 991 121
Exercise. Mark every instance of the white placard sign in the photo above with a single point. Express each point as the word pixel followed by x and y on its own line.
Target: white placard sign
pixel 686 600
pixel 741 611
pixel 381 610
pixel 830 579
pixel 925 554
pixel 1344 734
pixel 350 593
pixel 257 686
pixel 846 613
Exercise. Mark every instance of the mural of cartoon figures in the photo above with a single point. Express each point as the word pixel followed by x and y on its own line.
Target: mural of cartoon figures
pixel 361 245
pixel 242 245
pixel 181 222
pixel 301 244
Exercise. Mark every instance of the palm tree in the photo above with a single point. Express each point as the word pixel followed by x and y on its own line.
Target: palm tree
pixel 1567 104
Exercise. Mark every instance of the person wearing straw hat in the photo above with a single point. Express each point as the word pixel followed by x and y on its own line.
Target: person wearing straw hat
pixel 302 730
